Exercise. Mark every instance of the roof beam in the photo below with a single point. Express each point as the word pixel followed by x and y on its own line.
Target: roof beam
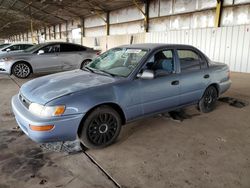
pixel 26 15
pixel 43 11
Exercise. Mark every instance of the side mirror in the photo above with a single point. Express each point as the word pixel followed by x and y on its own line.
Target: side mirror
pixel 40 52
pixel 8 50
pixel 146 74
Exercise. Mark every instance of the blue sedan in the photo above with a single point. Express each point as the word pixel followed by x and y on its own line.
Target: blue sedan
pixel 121 85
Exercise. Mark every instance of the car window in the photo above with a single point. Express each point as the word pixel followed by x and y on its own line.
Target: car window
pixel 24 46
pixel 118 61
pixel 12 48
pixel 189 60
pixel 162 63
pixel 51 48
pixel 72 48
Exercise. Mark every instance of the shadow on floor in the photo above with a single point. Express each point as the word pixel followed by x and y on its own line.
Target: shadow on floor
pixel 238 103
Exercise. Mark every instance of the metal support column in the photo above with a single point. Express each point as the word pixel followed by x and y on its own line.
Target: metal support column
pixel 54 31
pixel 45 34
pixel 146 16
pixel 49 33
pixel 218 13
pixel 82 30
pixel 60 31
pixel 67 33
pixel 145 13
pixel 108 24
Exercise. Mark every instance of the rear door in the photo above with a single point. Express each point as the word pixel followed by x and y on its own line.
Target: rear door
pixel 48 61
pixel 194 77
pixel 71 56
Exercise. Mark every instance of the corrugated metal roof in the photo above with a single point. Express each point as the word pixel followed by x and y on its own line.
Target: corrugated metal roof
pixel 15 15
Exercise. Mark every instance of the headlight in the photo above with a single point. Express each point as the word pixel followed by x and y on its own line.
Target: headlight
pixel 6 59
pixel 46 111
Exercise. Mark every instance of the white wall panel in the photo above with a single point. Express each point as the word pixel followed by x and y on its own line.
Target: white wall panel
pixel 126 15
pixel 127 28
pixel 181 6
pixel 166 7
pixel 206 4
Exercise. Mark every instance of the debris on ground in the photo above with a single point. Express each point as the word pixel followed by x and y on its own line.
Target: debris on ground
pixel 70 147
pixel 221 139
pixel 43 181
pixel 16 128
pixel 238 103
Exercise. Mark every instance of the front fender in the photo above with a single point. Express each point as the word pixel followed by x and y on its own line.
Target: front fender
pixel 81 102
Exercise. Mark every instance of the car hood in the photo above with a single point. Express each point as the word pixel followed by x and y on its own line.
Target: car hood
pixel 44 89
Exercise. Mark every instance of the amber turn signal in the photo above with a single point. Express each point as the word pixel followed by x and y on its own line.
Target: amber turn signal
pixel 59 110
pixel 41 128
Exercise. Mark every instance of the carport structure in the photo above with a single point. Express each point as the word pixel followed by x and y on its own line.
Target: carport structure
pixel 20 16
pixel 218 28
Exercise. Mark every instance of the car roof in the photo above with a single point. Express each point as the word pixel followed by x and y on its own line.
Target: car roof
pixel 58 42
pixel 19 44
pixel 47 43
pixel 155 46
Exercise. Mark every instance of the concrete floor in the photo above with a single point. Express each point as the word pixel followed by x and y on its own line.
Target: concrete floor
pixel 204 150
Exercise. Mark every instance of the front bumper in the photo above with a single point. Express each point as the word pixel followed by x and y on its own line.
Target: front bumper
pixel 5 68
pixel 65 127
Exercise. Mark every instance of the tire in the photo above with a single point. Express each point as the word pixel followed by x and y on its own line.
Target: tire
pixel 85 62
pixel 101 128
pixel 21 70
pixel 208 100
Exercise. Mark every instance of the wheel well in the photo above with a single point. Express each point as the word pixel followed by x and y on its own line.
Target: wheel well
pixel 112 105
pixel 86 60
pixel 216 87
pixel 31 69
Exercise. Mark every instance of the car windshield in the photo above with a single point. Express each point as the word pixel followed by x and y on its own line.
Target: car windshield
pixel 34 48
pixel 118 61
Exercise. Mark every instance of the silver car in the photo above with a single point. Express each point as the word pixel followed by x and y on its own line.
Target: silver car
pixel 46 58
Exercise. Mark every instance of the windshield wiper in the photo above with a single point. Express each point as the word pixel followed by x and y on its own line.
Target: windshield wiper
pixel 98 71
pixel 106 72
pixel 88 69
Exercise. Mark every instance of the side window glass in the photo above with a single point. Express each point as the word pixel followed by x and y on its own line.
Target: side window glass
pixel 189 60
pixel 23 47
pixel 162 63
pixel 52 48
pixel 14 47
pixel 71 48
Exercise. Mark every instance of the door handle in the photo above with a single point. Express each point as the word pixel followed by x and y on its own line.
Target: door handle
pixel 206 76
pixel 176 82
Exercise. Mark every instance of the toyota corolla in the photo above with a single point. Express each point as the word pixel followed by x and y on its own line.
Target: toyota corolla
pixel 120 86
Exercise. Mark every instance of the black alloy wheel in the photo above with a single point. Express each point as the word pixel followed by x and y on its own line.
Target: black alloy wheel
pixel 208 100
pixel 101 128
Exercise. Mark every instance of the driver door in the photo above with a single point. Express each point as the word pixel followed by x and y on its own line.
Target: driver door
pixel 162 92
pixel 49 60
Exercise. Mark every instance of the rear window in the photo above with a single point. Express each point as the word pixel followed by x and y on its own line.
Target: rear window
pixel 72 48
pixel 189 60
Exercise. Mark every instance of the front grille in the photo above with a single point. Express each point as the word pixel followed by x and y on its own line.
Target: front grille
pixel 24 101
